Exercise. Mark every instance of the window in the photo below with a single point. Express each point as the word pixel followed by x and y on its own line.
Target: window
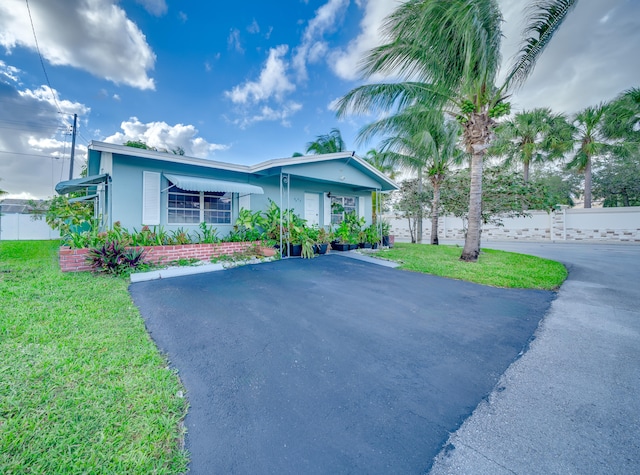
pixel 340 205
pixel 194 207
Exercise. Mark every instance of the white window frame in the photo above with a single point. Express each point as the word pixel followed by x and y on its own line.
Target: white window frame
pixel 201 208
pixel 337 218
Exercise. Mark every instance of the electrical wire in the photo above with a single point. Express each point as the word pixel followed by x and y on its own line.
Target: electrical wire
pixel 41 60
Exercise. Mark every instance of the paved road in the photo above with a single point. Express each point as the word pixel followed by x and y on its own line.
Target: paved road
pixel 571 404
pixel 332 365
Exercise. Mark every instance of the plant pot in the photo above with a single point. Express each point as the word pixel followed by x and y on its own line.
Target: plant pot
pixel 339 246
pixel 374 246
pixel 353 246
pixel 385 241
pixel 367 245
pixel 361 245
pixel 295 250
pixel 321 248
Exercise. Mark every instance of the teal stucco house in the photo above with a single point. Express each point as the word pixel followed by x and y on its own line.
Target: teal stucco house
pixel 143 187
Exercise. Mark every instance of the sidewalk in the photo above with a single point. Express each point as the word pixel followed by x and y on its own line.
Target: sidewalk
pixel 571 404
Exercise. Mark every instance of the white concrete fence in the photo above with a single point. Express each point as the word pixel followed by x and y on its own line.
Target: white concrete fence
pixel 20 227
pixel 589 225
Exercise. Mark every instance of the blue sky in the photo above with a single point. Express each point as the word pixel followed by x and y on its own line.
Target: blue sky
pixel 240 82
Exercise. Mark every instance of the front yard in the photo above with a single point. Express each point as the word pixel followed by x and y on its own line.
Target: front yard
pixel 83 388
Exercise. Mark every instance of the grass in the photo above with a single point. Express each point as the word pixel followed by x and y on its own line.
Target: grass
pixel 495 268
pixel 83 388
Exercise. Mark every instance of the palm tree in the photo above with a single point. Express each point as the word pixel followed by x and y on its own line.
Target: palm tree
pixel 622 120
pixel 448 54
pixel 328 143
pixel 420 140
pixel 532 136
pixel 591 142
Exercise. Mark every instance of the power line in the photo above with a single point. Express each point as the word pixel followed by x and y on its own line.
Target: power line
pixel 29 154
pixel 41 60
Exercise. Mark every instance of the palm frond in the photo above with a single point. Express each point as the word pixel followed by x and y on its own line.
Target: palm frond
pixel 544 18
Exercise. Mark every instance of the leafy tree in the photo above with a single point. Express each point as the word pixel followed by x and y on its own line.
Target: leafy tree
pixel 532 137
pixel 420 140
pixel 412 203
pixel 622 120
pixel 328 143
pixel 591 143
pixel 506 195
pixel 381 162
pixel 138 144
pixel 177 151
pixel 617 181
pixel 560 186
pixel 62 215
pixel 297 154
pixel 447 55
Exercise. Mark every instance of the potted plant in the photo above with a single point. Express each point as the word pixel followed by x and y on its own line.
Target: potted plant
pixel 323 239
pixel 387 239
pixel 342 236
pixel 308 242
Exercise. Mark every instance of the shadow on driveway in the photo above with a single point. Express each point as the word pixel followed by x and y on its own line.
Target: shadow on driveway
pixel 331 365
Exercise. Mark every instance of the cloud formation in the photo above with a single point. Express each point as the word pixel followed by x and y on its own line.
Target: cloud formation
pixel 345 61
pixel 35 139
pixel 312 48
pixel 113 47
pixel 163 136
pixel 155 7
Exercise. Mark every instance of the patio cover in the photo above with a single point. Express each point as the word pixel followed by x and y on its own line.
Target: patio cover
pixel 78 184
pixel 191 183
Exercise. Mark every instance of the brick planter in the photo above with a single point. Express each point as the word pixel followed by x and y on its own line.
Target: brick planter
pixel 75 260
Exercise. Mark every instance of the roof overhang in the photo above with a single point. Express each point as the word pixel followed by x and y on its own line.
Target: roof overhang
pixel 191 183
pixel 79 184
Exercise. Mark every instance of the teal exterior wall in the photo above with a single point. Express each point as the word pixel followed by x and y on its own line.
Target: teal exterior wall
pixel 337 177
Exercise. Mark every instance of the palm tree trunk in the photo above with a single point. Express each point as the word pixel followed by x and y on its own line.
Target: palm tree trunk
pixel 587 183
pixel 434 211
pixel 525 175
pixel 477 135
pixel 419 223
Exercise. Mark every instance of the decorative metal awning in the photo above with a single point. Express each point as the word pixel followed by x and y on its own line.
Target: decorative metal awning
pixel 191 183
pixel 78 184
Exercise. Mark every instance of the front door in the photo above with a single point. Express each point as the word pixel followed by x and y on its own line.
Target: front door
pixel 312 208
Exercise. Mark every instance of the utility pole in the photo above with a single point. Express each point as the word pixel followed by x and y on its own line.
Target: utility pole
pixel 73 145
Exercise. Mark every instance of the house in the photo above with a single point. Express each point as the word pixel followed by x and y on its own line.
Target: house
pixel 144 187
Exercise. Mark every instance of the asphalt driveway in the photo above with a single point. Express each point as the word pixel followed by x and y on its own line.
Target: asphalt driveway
pixel 332 365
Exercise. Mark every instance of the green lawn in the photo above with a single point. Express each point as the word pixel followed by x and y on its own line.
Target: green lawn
pixel 496 268
pixel 83 388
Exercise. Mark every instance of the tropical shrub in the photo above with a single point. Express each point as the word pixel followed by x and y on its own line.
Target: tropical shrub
pixel 114 257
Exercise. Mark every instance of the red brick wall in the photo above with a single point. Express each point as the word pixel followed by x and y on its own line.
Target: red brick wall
pixel 74 260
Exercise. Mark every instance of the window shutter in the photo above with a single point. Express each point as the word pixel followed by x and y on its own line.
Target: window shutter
pixel 150 198
pixel 327 210
pixel 360 206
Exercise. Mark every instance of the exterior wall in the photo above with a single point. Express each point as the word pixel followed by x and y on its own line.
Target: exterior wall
pixel 75 260
pixel 126 189
pixel 591 225
pixel 298 187
pixel 21 227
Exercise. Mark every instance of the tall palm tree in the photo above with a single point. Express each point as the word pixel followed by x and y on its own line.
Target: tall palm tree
pixel 532 136
pixel 591 142
pixel 448 54
pixel 327 143
pixel 622 120
pixel 421 140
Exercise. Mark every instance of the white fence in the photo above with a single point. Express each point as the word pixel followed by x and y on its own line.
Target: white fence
pixel 20 227
pixel 590 225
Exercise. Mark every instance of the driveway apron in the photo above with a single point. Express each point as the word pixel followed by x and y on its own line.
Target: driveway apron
pixel 331 365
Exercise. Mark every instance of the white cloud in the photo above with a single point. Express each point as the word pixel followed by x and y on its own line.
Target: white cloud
pixel 163 136
pixel 35 139
pixel 579 69
pixel 272 83
pixel 183 17
pixel 155 7
pixel 345 62
pixel 312 47
pixel 266 113
pixel 253 28
pixel 112 46
pixel 116 97
pixel 233 41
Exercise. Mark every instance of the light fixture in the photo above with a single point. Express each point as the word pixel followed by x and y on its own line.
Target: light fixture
pixel 328 194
